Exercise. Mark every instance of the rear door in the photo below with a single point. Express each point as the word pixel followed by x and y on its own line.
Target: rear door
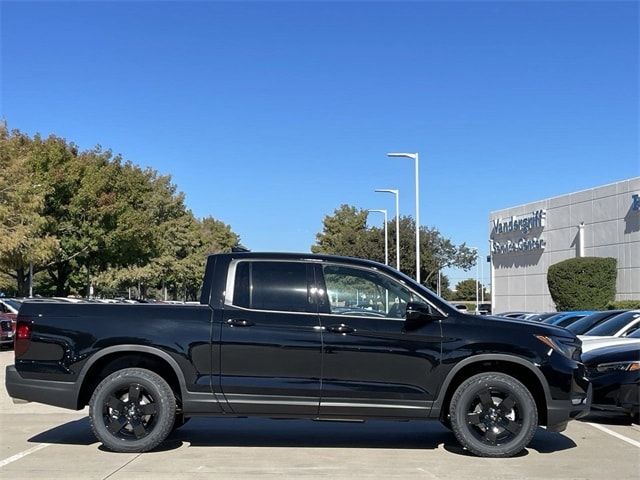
pixel 271 348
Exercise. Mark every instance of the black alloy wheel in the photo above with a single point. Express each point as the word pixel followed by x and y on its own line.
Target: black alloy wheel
pixel 132 410
pixel 493 415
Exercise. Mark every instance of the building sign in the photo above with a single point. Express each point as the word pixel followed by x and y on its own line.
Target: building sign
pixel 520 226
pixel 521 245
pixel 524 223
pixel 636 202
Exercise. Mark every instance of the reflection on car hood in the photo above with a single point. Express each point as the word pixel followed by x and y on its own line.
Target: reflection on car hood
pixel 591 343
pixel 531 326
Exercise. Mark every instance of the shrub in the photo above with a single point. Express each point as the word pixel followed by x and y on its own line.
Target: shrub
pixel 587 283
pixel 624 305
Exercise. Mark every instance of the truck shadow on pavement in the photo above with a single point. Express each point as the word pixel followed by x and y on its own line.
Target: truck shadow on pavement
pixel 258 432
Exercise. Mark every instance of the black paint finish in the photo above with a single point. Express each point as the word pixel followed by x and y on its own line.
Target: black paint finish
pixel 236 360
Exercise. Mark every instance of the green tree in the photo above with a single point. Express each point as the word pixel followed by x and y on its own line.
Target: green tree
pixel 24 240
pixel 346 233
pixel 466 290
pixel 88 217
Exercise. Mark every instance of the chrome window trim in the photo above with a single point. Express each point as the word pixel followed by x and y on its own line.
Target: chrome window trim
pixel 231 280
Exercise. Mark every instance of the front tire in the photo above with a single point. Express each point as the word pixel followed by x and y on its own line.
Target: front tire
pixel 493 415
pixel 132 410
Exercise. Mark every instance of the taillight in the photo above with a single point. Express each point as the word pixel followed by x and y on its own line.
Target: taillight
pixel 22 338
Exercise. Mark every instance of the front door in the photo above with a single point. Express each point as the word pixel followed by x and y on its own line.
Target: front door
pixel 271 339
pixel 373 365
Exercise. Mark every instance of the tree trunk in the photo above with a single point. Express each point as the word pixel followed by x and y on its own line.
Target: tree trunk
pixel 22 282
pixel 61 278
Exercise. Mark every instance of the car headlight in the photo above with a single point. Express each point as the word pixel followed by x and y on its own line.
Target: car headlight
pixel 564 346
pixel 633 366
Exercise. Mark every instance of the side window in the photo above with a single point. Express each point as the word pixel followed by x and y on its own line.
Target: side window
pixel 358 292
pixel 271 286
pixel 241 289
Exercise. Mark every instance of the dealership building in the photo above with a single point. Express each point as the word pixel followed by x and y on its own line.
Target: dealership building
pixel 527 239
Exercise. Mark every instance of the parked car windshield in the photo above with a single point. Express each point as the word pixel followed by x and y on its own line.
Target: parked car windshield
pixel 611 326
pixel 13 303
pixel 635 334
pixel 590 321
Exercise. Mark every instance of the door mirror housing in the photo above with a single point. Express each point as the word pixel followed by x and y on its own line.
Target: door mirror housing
pixel 418 314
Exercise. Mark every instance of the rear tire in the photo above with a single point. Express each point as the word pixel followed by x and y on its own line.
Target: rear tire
pixel 493 415
pixel 132 410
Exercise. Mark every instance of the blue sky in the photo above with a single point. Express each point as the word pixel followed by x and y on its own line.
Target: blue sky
pixel 270 115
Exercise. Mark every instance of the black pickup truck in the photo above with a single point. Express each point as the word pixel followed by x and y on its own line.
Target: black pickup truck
pixel 299 336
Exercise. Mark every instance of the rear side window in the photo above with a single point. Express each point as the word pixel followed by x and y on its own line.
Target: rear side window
pixel 241 296
pixel 271 286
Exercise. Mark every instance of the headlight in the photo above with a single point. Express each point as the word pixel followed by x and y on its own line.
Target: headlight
pixel 564 346
pixel 619 367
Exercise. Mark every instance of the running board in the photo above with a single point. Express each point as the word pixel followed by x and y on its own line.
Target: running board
pixel 342 420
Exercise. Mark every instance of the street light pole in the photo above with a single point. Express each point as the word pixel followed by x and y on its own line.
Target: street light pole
pixel 477 275
pixel 397 194
pixel 386 242
pixel 416 159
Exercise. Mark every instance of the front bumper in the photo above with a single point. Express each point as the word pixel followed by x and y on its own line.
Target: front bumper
pixel 559 412
pixel 571 392
pixel 58 394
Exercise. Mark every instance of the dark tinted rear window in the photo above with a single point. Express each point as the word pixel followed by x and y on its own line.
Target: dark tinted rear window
pixel 271 286
pixel 241 288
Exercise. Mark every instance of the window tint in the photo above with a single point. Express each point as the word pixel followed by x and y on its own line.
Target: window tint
pixel 590 321
pixel 613 325
pixel 357 292
pixel 241 288
pixel 631 330
pixel 271 286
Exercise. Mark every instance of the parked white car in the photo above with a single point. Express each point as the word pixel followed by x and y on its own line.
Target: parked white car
pixel 621 329
pixel 602 342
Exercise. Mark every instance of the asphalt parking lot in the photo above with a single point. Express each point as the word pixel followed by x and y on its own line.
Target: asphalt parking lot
pixel 39 441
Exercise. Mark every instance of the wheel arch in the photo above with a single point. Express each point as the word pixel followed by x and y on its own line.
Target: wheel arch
pixel 519 368
pixel 115 358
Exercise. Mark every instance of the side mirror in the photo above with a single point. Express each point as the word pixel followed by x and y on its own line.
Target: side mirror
pixel 419 314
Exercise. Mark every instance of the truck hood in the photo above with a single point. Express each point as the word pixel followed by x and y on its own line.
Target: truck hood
pixel 532 327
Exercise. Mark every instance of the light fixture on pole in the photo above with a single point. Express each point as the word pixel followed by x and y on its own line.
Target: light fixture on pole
pixel 396 192
pixel 416 159
pixel 386 242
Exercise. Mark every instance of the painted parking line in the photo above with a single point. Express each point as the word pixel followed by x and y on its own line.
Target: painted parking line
pixel 615 434
pixel 20 455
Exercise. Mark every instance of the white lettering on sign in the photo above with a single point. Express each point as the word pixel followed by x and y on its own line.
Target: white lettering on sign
pixel 523 223
pixel 522 245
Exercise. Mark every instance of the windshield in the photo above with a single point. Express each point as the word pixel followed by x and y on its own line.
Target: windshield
pixel 585 324
pixel 613 325
pixel 13 304
pixel 635 334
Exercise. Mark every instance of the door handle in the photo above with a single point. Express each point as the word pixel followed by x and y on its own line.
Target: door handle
pixel 239 322
pixel 341 328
